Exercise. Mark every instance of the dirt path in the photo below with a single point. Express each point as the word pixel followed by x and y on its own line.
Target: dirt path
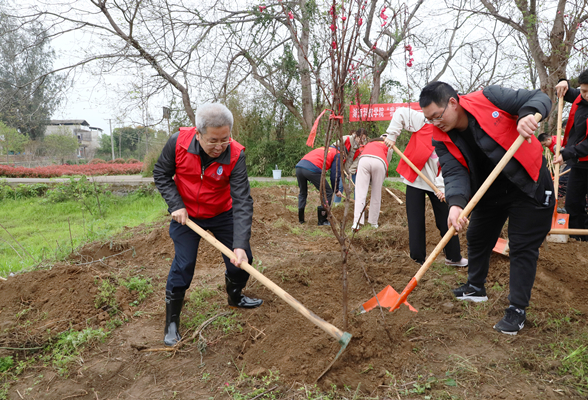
pixel 448 350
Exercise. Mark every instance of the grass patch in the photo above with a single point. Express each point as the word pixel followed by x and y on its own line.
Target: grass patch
pixel 395 185
pixel 257 184
pixel 204 303
pixel 68 346
pixel 64 222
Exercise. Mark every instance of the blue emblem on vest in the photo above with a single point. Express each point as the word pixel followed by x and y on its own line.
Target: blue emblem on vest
pixel 219 170
pixel 495 114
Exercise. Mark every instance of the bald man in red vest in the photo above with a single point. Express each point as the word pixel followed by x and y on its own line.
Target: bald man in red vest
pixel 472 134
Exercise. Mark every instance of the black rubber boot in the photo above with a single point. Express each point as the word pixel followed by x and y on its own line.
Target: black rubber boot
pixel 173 308
pixel 236 299
pixel 301 215
pixel 322 216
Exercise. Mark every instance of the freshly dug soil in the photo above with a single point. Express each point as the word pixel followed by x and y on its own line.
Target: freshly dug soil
pixel 446 350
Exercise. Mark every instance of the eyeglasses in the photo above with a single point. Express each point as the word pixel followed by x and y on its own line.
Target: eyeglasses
pixel 437 119
pixel 216 144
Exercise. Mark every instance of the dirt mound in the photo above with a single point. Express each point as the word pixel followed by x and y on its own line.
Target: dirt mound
pixel 446 349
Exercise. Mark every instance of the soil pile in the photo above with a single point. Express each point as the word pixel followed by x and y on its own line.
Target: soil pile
pixel 446 349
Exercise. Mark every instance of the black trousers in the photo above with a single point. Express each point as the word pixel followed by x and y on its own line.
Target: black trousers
pixel 576 200
pixel 415 212
pixel 304 176
pixel 186 243
pixel 528 224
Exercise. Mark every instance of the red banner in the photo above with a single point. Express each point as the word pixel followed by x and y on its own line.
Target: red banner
pixel 377 112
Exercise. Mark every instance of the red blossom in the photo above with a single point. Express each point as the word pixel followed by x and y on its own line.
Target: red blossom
pixel 382 15
pixel 261 8
pixel 343 18
pixel 290 15
pixel 333 27
pixel 332 10
pixel 334 45
pixel 359 22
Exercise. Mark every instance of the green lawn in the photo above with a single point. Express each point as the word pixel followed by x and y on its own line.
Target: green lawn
pixel 42 228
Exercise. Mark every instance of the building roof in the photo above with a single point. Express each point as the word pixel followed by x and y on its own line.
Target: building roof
pixel 69 122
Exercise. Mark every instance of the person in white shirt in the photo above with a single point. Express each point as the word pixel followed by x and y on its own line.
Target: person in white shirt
pixel 421 152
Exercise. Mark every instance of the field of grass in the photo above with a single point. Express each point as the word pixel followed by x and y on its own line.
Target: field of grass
pixel 37 230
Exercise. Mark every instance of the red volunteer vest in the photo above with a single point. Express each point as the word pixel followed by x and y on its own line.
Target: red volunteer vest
pixel 378 149
pixel 553 144
pixel 317 157
pixel 418 150
pixel 500 126
pixel 207 194
pixel 571 123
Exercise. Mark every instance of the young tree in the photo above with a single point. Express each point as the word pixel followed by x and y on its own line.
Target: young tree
pixel 61 145
pixel 11 141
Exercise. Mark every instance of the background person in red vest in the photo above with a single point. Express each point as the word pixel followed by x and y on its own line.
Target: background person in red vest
pixel 201 174
pixel 372 168
pixel 309 170
pixel 421 152
pixel 575 152
pixel 473 132
pixel 352 144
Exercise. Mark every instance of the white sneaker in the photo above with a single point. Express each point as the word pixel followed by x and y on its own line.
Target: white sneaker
pixel 356 227
pixel 375 226
pixel 461 263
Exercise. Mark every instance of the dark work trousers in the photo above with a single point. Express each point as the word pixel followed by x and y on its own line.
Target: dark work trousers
pixel 186 243
pixel 528 224
pixel 415 212
pixel 576 200
pixel 304 176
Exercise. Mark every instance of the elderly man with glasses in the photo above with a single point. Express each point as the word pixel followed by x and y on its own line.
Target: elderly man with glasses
pixel 472 133
pixel 201 174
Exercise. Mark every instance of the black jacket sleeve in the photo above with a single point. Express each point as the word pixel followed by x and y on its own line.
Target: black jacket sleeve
pixel 520 102
pixel 242 204
pixel 458 188
pixel 163 173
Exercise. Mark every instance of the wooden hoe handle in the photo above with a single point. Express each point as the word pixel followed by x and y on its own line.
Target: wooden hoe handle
pixel 415 169
pixel 318 321
pixel 560 105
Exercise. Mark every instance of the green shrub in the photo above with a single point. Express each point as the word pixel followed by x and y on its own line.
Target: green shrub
pixel 133 161
pixel 97 161
pixel 6 363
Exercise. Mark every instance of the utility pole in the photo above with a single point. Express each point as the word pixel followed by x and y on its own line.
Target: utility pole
pixel 111 138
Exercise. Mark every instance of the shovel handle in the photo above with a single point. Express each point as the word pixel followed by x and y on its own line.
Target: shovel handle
pixel 415 169
pixel 560 105
pixel 465 212
pixel 281 293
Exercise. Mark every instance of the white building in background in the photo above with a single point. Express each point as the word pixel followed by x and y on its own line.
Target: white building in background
pixel 88 136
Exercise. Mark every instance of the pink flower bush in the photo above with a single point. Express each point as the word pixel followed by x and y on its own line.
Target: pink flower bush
pixel 52 171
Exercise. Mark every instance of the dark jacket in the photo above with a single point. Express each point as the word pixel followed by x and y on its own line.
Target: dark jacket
pixel 165 169
pixel 576 146
pixel 482 153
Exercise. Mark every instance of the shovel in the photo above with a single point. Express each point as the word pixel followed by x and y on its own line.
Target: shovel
pixel 560 221
pixel 415 169
pixel 342 337
pixel 392 297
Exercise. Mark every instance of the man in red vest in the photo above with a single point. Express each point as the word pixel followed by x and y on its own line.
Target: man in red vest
pixel 421 152
pixel 575 152
pixel 309 169
pixel 201 174
pixel 473 132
